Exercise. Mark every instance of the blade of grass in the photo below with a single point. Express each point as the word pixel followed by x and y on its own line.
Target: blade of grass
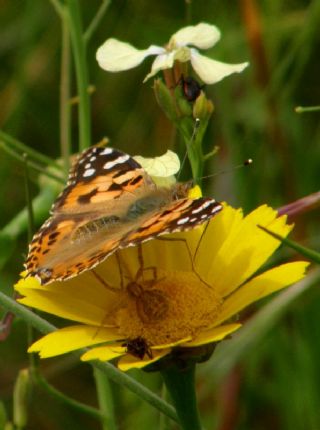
pixel 11 142
pixel 306 252
pixel 105 399
pixel 65 108
pixel 305 109
pixel 79 53
pixel 96 20
pixel 32 164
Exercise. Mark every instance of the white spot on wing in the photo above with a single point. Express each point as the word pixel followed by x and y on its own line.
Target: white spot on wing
pixel 183 220
pixel 203 206
pixel 93 158
pixel 88 172
pixel 87 166
pixel 119 160
pixel 106 151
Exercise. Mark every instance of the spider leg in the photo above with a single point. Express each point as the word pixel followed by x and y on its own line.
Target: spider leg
pixel 120 271
pixel 142 269
pixel 103 282
pixel 192 258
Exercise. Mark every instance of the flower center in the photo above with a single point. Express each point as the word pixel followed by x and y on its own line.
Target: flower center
pixel 172 307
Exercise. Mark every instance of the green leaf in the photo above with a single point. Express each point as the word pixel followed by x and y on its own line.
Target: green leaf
pixel 306 252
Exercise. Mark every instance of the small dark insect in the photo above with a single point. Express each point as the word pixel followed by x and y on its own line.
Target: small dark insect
pixel 138 347
pixel 191 88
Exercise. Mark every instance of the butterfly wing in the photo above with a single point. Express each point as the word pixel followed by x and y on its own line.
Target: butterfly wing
pixel 178 215
pixel 102 183
pixel 100 177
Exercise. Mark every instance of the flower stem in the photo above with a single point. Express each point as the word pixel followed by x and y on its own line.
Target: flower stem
pixel 31 163
pixel 96 20
pixel 89 410
pixel 181 386
pixel 19 148
pixel 105 399
pixel 65 108
pixel 79 52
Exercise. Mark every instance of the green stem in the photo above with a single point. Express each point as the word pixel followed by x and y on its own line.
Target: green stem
pixel 304 109
pixel 189 132
pixel 79 52
pixel 105 399
pixel 306 252
pixel 30 317
pixel 32 164
pixel 96 20
pixel 58 7
pixel 113 373
pixel 42 382
pixel 28 199
pixel 65 109
pixel 181 386
pixel 14 144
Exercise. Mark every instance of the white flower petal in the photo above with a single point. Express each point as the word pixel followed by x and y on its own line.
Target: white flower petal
pixel 164 166
pixel 202 36
pixel 161 62
pixel 212 71
pixel 115 56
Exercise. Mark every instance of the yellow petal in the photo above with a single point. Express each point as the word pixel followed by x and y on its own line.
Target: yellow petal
pixel 104 353
pixel 213 335
pixel 245 249
pixel 70 339
pixel 172 344
pixel 83 299
pixel 65 306
pixel 219 229
pixel 128 361
pixel 261 286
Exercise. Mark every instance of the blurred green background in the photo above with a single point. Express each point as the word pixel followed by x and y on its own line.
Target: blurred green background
pixel 276 382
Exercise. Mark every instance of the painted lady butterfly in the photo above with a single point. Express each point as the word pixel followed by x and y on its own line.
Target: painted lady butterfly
pixel 110 202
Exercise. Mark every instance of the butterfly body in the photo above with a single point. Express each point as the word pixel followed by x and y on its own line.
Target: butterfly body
pixel 110 202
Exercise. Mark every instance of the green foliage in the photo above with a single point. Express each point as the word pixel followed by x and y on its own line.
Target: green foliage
pixel 275 383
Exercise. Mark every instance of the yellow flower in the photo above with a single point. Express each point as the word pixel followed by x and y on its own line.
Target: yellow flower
pixel 140 314
pixel 115 56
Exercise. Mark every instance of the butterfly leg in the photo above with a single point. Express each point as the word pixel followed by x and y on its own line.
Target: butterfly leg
pixel 192 258
pixel 103 282
pixel 120 270
pixel 143 269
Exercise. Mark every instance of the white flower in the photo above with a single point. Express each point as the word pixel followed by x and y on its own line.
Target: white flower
pixel 115 56
pixel 162 168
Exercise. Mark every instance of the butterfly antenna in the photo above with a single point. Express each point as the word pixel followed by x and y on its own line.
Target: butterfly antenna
pixel 192 139
pixel 246 163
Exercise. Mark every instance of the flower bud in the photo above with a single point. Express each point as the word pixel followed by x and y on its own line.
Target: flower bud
pixel 165 100
pixel 202 107
pixel 20 398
